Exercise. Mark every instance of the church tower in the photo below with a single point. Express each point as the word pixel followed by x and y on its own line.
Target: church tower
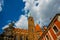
pixel 31 28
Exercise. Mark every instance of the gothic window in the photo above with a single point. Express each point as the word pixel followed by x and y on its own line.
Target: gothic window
pixel 55 29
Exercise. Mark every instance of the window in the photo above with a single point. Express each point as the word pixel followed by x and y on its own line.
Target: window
pixel 20 37
pixel 47 38
pixel 26 38
pixel 55 29
pixel 15 38
pixel 31 19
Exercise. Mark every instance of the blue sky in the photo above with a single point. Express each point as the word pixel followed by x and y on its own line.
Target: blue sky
pixel 11 10
pixel 17 10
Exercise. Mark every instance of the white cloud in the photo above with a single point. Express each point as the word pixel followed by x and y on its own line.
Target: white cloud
pixel 45 9
pixel 1 3
pixel 5 26
pixel 22 22
pixel 42 12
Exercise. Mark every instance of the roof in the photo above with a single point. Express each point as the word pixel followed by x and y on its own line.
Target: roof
pixel 37 28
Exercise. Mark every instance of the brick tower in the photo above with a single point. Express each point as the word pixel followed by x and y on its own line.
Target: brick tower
pixel 31 28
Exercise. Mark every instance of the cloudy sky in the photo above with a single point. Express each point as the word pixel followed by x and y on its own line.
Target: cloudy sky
pixel 18 10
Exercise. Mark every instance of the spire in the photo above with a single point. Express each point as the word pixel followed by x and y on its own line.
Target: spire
pixel 29 14
pixel 11 24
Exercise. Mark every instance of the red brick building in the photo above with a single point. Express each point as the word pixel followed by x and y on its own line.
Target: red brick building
pixel 53 30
